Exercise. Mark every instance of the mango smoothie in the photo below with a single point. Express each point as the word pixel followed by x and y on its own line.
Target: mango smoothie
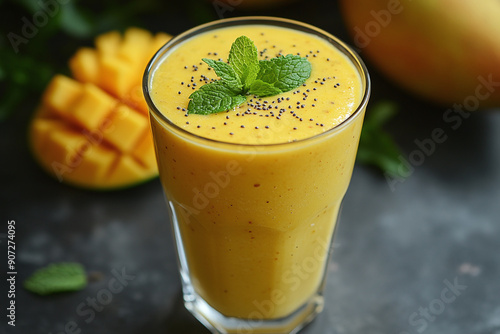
pixel 255 191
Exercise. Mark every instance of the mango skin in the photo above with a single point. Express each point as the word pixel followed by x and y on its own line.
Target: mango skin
pixel 446 51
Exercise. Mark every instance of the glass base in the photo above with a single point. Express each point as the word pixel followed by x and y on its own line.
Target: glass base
pixel 217 323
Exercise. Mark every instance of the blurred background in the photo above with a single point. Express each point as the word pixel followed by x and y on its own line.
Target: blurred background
pixel 421 214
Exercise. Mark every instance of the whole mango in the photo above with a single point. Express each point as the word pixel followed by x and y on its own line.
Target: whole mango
pixel 446 51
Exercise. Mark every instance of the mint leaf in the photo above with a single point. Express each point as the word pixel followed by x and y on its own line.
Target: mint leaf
pixel 263 89
pixel 376 146
pixel 244 60
pixel 57 277
pixel 213 98
pixel 280 75
pixel 245 74
pixel 226 73
pixel 268 72
pixel 291 71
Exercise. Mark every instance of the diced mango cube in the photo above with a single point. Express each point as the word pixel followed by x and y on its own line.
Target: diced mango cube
pixel 158 41
pixel 135 98
pixel 136 43
pixel 92 108
pixel 61 93
pixel 117 76
pixel 128 127
pixel 84 65
pixel 145 152
pixel 64 151
pixel 95 164
pixel 108 44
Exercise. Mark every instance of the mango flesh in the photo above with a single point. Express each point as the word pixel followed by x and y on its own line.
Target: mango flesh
pixel 93 131
pixel 444 51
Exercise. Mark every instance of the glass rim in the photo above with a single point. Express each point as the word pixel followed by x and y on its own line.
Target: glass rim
pixel 345 49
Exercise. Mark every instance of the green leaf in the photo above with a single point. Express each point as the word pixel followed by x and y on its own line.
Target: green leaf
pixel 268 71
pixel 283 73
pixel 213 98
pixel 20 76
pixel 263 89
pixel 75 22
pixel 226 73
pixel 291 71
pixel 244 60
pixel 380 114
pixel 245 74
pixel 376 147
pixel 57 277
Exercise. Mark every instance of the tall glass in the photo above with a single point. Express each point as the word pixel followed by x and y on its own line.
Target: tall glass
pixel 254 224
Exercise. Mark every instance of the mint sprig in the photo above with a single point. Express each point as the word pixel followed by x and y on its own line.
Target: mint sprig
pixel 57 277
pixel 244 59
pixel 244 74
pixel 376 146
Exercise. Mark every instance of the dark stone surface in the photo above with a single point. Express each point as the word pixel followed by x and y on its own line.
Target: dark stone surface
pixel 396 249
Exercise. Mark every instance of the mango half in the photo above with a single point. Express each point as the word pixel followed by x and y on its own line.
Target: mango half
pixel 93 131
